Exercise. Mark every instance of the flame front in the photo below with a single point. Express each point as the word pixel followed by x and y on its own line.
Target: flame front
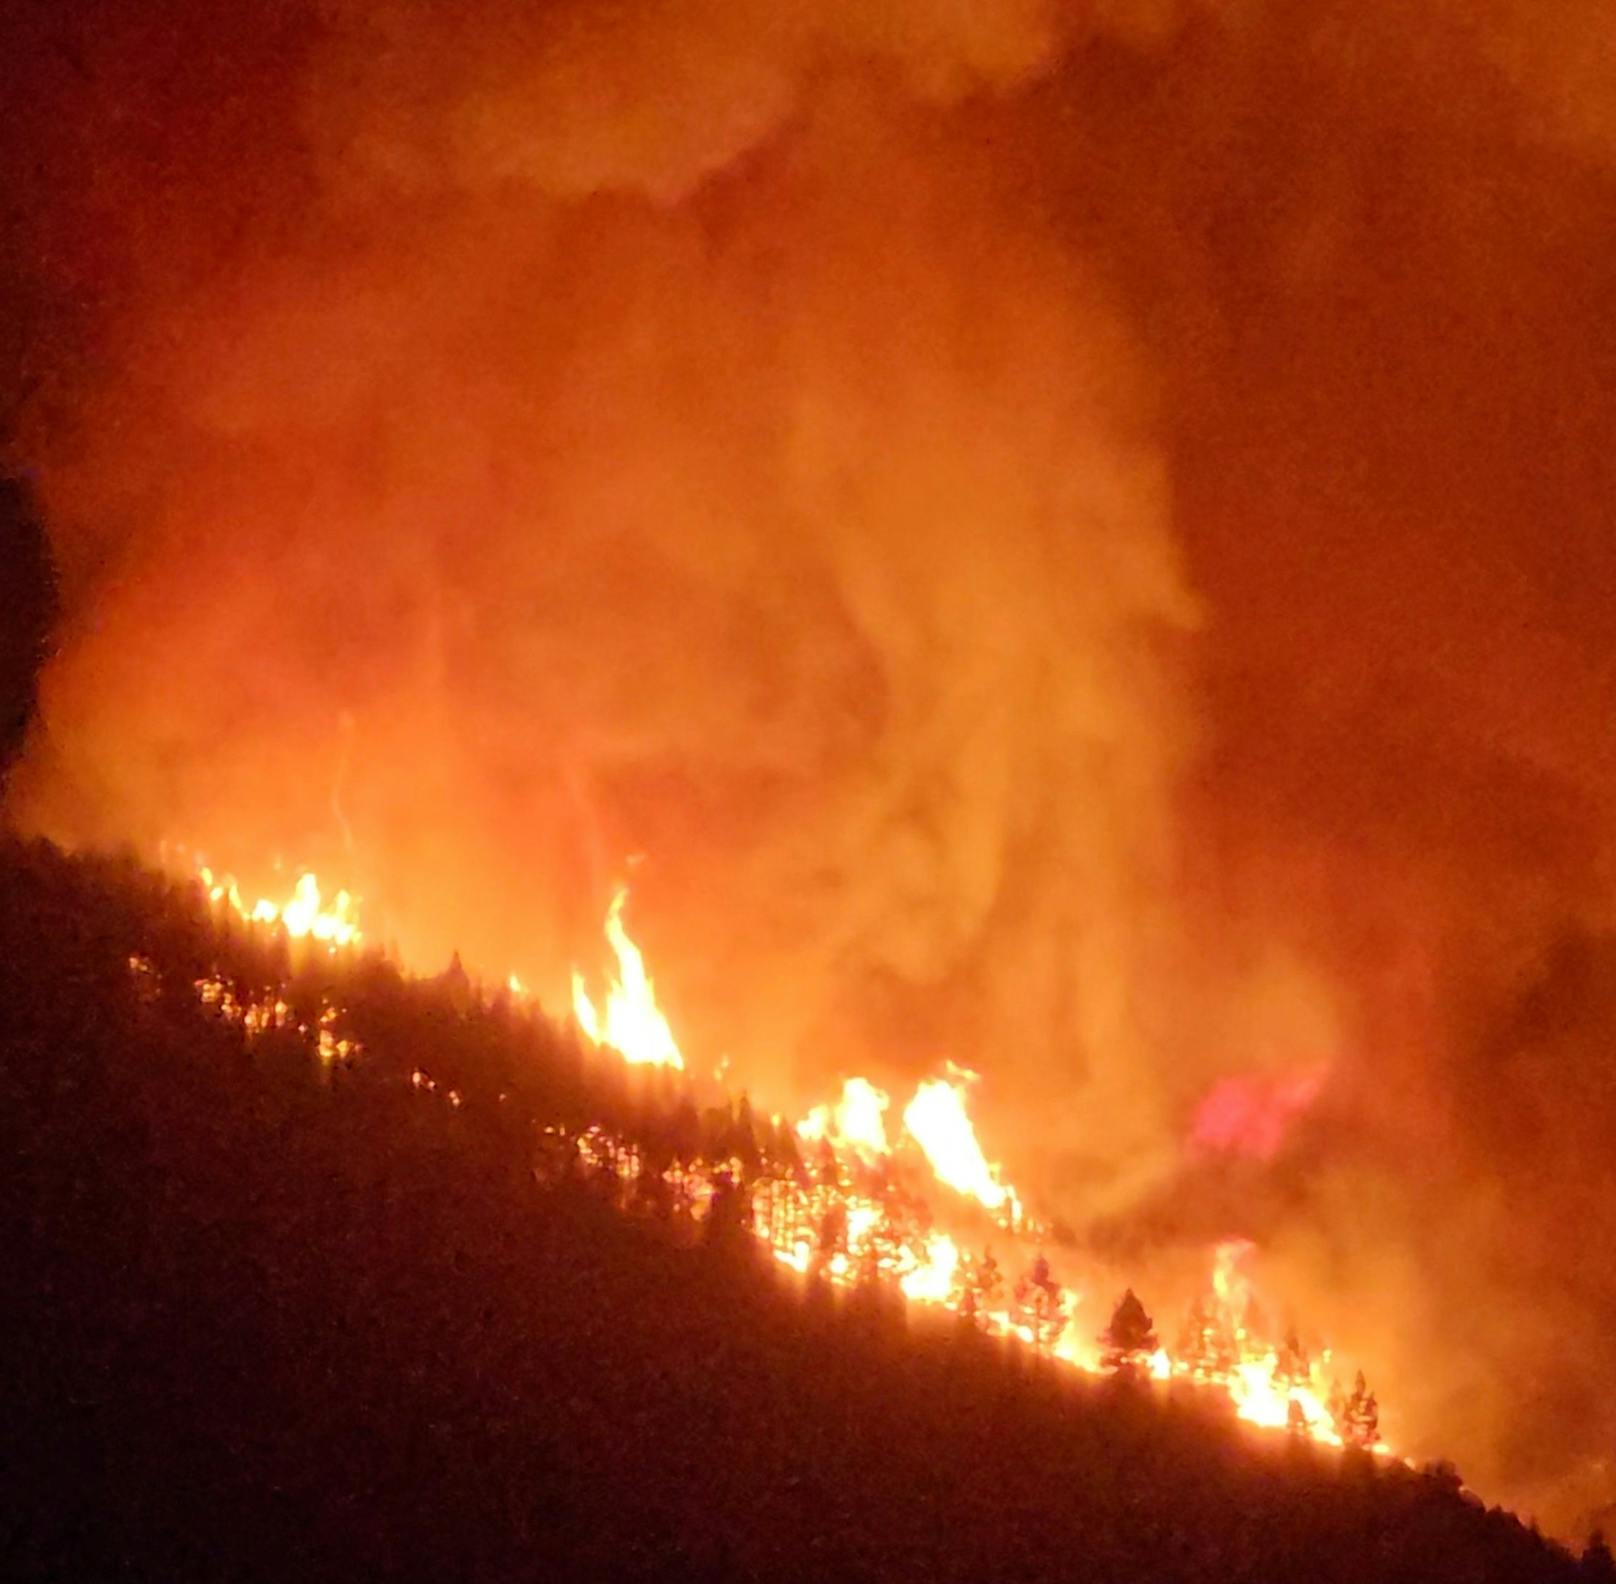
pixel 856 1121
pixel 937 1121
pixel 634 1025
pixel 853 1215
pixel 303 915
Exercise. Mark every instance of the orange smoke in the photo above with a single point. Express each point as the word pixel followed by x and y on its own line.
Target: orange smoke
pixel 1072 536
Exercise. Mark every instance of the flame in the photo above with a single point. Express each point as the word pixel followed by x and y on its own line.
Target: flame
pixel 936 1119
pixel 634 1025
pixel 1261 1398
pixel 934 1280
pixel 303 915
pixel 1229 1284
pixel 836 1226
pixel 855 1122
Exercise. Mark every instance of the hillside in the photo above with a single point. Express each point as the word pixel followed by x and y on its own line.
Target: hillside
pixel 272 1317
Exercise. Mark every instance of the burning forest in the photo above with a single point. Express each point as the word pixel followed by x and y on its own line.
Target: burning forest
pixel 839 1196
pixel 1046 568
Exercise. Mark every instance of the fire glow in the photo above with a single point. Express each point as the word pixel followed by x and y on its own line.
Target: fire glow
pixel 306 914
pixel 633 1024
pixel 860 1210
pixel 936 1119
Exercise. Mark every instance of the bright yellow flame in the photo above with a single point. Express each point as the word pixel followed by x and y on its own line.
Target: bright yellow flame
pixel 933 1281
pixel 305 914
pixel 1261 1399
pixel 633 1024
pixel 937 1121
pixel 877 1234
pixel 856 1121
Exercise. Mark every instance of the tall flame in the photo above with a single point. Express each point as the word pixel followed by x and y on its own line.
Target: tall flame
pixel 937 1121
pixel 855 1122
pixel 633 1024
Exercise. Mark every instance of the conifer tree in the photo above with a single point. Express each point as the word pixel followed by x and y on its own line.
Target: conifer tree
pixel 1597 1566
pixel 1359 1421
pixel 979 1286
pixel 1130 1338
pixel 1040 1304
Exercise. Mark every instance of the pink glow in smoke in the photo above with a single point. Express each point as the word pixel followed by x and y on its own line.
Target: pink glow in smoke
pixel 1250 1114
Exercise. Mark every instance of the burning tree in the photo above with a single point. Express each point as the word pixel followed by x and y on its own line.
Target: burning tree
pixel 1291 1366
pixel 831 1238
pixel 1207 1343
pixel 729 1212
pixel 979 1284
pixel 1357 1417
pixel 1041 1305
pixel 1130 1339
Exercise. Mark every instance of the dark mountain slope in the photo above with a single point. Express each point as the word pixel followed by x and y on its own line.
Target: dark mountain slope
pixel 269 1320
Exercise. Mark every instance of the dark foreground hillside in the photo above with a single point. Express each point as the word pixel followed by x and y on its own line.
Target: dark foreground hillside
pixel 268 1320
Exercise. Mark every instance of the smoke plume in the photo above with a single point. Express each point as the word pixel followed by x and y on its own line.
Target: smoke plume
pixel 1067 537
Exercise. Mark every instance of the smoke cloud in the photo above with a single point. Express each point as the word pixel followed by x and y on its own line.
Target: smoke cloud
pixel 1070 538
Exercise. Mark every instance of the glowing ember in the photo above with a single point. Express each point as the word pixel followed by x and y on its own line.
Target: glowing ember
pixel 633 1025
pixel 855 1122
pixel 1229 1282
pixel 937 1122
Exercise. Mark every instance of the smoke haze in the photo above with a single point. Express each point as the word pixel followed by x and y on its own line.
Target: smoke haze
pixel 1073 538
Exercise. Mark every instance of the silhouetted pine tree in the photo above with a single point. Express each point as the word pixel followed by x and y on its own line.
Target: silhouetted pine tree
pixel 1291 1368
pixel 1130 1338
pixel 827 1170
pixel 1598 1567
pixel 728 1221
pixel 980 1284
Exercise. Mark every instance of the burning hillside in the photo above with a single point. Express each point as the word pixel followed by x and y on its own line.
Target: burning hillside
pixel 842 1197
pixel 1073 534
pixel 320 1269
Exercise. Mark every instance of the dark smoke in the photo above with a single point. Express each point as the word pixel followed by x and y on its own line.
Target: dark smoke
pixel 1073 538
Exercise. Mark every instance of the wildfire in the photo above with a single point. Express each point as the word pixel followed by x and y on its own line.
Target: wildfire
pixel 856 1121
pixel 634 1025
pixel 935 1281
pixel 304 915
pixel 850 1216
pixel 937 1122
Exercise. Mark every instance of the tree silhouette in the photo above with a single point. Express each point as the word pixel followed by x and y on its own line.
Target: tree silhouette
pixel 1598 1567
pixel 1130 1338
